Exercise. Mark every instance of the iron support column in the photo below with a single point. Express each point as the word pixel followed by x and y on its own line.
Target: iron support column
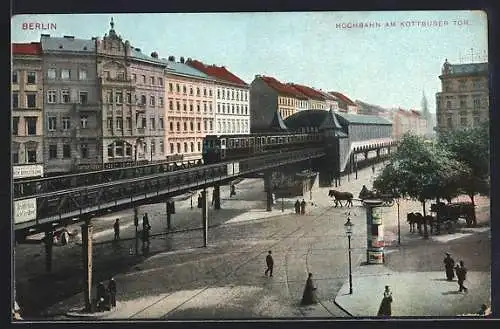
pixel 350 265
pixel 169 215
pixel 49 242
pixel 269 191
pixel 216 197
pixel 87 262
pixel 136 224
pixel 204 216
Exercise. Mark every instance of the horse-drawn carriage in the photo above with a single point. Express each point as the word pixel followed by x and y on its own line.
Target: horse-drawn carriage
pixel 365 194
pixel 450 213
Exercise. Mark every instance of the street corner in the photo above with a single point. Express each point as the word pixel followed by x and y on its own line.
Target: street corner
pixel 368 281
pixel 81 313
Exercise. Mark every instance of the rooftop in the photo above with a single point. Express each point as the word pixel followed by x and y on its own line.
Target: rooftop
pixel 343 98
pixel 363 119
pixel 184 69
pixel 307 91
pixel 281 88
pixel 33 48
pixel 66 43
pixel 218 72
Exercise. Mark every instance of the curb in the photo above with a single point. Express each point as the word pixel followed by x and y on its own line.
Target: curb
pixel 343 309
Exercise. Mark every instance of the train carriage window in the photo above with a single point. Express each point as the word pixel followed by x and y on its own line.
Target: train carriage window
pixel 231 143
pixel 223 142
pixel 236 142
pixel 251 141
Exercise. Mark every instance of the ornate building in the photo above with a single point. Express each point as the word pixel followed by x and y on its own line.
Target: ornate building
pixel 190 109
pixel 27 105
pixel 71 106
pixel 132 102
pixel 463 99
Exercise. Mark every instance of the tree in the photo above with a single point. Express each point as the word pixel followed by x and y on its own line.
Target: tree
pixel 471 148
pixel 422 170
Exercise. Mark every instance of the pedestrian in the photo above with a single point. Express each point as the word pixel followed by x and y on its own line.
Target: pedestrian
pixel 112 292
pixel 461 272
pixel 385 308
pixel 449 264
pixel 233 190
pixel 309 295
pixel 297 207
pixel 102 300
pixel 200 200
pixel 116 228
pixel 303 207
pixel 270 264
pixel 146 228
pixel 373 169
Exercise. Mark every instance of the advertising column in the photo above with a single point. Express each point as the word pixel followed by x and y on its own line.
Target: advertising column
pixel 374 232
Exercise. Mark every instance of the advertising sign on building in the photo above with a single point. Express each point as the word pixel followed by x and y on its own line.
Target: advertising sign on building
pixel 24 210
pixel 376 216
pixel 27 171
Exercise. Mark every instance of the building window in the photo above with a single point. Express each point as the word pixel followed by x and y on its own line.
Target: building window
pixel 31 125
pixel 84 151
pixel 119 97
pixel 151 101
pixel 477 102
pixel 51 97
pixel 172 148
pixel 160 123
pixel 134 77
pixel 463 121
pixel 52 123
pixel 190 107
pixel 178 147
pixel 52 151
pixel 144 123
pixel 205 92
pixel 192 147
pixel 178 126
pixel 184 90
pixel 14 78
pixel 51 74
pixel 109 97
pixel 223 94
pixel 129 98
pixel 31 78
pixel 463 104
pixel 171 105
pixel 162 147
pixel 178 106
pixel 185 126
pixel 82 75
pixel 198 108
pixel 109 123
pixel 84 97
pixel 152 80
pixel 199 147
pixel 153 147
pixel 205 107
pixel 66 151
pixel 119 149
pixel 199 126
pixel 65 74
pixel 448 104
pixel 232 109
pixel 210 107
pixel 65 97
pixel 190 90
pixel 160 81
pixel 143 100
pixel 111 150
pixel 462 85
pixel 211 125
pixel 128 122
pixel 31 100
pixel 185 107
pixel 218 108
pixel 178 87
pixel 232 94
pixel 15 126
pixel 160 101
pixel 204 125
pixel 171 126
pixel 15 157
pixel 15 100
pixel 152 120
pixel 185 147
pixel 218 93
pixel 171 87
pixel 84 121
pixel 450 123
pixel 66 123
pixel 191 125
pixel 31 155
pixel 128 149
pixel 197 91
pixel 144 79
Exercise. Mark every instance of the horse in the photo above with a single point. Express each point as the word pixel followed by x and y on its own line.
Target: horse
pixel 339 196
pixel 415 219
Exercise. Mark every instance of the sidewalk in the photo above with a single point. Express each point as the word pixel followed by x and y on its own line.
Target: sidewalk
pixel 414 293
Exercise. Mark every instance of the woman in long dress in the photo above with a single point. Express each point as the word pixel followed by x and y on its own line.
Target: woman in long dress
pixel 385 308
pixel 309 296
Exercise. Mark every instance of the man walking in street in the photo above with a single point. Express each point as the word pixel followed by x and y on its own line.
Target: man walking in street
pixel 297 207
pixel 303 207
pixel 270 264
pixel 461 276
pixel 146 228
pixel 449 265
pixel 116 228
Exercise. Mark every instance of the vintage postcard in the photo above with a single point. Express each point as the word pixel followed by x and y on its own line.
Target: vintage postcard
pixel 291 165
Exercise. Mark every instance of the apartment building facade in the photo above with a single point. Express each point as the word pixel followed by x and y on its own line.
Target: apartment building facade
pixel 190 110
pixel 71 105
pixel 315 100
pixel 232 99
pixel 464 97
pixel 27 109
pixel 345 103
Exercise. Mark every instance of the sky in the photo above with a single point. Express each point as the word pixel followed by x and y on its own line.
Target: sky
pixel 381 64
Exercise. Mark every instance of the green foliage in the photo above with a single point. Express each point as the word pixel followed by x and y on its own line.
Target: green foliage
pixel 422 170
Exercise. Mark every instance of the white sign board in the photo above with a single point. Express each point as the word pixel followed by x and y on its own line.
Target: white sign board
pixel 24 210
pixel 27 171
pixel 233 168
pixel 229 169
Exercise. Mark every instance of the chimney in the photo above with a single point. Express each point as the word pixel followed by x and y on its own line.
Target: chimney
pixel 171 58
pixel 182 59
pixel 69 37
pixel 154 54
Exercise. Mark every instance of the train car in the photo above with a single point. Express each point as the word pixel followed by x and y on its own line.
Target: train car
pixel 219 148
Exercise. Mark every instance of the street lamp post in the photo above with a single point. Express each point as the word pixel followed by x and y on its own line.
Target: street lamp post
pixel 399 225
pixel 348 230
